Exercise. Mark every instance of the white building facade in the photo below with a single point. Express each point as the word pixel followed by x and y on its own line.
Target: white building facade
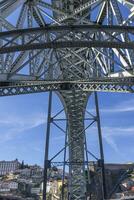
pixel 8 166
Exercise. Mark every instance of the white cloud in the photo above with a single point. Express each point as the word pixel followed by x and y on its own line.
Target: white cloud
pixel 118 131
pixel 114 131
pixel 15 124
pixel 109 134
pixel 125 106
pixel 111 141
pixel 117 109
pixel 11 126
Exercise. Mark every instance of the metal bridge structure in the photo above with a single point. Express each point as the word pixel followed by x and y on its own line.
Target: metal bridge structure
pixel 73 48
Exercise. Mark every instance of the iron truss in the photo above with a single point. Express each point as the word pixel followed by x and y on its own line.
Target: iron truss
pixel 107 85
pixel 62 40
pixel 74 36
pixel 71 47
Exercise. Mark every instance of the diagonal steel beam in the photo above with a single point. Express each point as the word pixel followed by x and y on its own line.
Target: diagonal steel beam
pixel 10 7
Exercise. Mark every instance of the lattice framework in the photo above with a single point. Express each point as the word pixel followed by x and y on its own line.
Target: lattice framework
pixel 73 47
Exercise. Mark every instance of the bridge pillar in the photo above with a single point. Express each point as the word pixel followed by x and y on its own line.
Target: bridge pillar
pixel 75 105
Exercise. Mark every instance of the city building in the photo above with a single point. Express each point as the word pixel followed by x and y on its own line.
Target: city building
pixel 18 179
pixel 8 166
pixel 117 177
pixel 30 171
pixel 8 185
pixel 12 197
pixel 13 185
pixel 35 190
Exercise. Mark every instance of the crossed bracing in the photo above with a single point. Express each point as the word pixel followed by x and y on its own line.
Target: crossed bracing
pixel 94 53
pixel 107 85
pixel 101 50
pixel 73 36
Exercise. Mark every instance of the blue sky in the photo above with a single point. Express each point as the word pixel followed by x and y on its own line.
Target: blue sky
pixel 23 127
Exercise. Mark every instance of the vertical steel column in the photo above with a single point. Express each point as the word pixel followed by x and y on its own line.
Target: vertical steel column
pixel 87 160
pixel 1 43
pixel 110 22
pixel 46 161
pixel 75 105
pixel 101 146
pixel 64 165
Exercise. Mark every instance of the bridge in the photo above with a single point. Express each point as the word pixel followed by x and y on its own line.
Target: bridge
pixel 73 48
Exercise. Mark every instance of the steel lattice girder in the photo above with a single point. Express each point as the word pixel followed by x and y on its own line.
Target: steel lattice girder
pixel 108 85
pixel 75 105
pixel 71 28
pixel 79 36
pixel 104 42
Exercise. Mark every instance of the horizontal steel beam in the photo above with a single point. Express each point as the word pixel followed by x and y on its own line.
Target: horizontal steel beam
pixel 85 36
pixel 67 44
pixel 71 28
pixel 107 85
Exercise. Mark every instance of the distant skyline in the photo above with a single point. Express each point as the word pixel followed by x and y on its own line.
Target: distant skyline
pixel 23 126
